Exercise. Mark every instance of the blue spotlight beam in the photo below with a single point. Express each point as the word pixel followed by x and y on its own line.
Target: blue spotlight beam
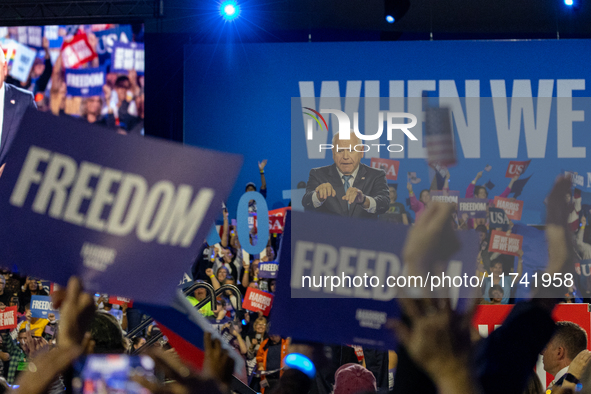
pixel 229 10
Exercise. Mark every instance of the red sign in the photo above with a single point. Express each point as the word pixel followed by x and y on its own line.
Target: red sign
pixel 77 52
pixel 516 168
pixel 506 244
pixel 513 208
pixel 487 318
pixel 120 301
pixel 277 220
pixel 390 166
pixel 258 300
pixel 8 318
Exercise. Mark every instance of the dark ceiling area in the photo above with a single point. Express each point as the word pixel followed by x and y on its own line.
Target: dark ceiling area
pixel 296 20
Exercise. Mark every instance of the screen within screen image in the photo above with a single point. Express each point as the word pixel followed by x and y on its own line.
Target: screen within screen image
pixel 91 72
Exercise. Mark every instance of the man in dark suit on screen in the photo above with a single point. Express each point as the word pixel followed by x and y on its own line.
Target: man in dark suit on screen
pixel 347 187
pixel 13 105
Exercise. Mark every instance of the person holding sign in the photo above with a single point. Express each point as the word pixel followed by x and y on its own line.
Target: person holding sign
pixel 474 191
pixel 13 104
pixel 347 188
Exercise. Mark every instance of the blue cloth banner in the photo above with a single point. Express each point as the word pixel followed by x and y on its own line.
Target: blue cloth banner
pixel 111 209
pixel 41 306
pixel 86 82
pixel 330 245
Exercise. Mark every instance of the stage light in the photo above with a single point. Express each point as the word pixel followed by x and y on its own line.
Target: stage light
pixel 568 2
pixel 395 9
pixel 229 10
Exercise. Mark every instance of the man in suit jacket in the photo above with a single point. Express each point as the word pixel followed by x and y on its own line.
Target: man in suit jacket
pixel 347 187
pixel 13 105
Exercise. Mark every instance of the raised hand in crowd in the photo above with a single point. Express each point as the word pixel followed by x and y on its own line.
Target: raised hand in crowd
pixel 438 340
pixel 478 176
pixel 262 165
pixel 577 367
pixel 516 177
pixel 431 240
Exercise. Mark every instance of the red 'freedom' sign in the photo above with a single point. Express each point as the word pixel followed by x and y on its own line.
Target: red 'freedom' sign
pixel 500 242
pixel 8 319
pixel 258 300
pixel 516 168
pixel 513 208
pixel 390 166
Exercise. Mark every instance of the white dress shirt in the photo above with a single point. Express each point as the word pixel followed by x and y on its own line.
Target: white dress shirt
pixel 560 374
pixel 372 202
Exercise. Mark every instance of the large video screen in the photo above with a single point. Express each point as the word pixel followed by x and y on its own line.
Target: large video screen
pixel 91 72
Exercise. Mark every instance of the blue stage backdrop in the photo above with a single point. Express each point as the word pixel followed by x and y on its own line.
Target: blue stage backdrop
pixel 238 99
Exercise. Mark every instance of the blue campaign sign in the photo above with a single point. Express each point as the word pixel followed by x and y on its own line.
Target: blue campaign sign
pixel 268 270
pixel 78 199
pixel 498 219
pixel 108 38
pixel 41 306
pixel 471 208
pixel 520 123
pixel 126 57
pixel 315 247
pixel 86 82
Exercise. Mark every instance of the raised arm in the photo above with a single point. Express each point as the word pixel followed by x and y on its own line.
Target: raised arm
pixel 415 204
pixel 226 230
pixel 214 281
pixel 507 190
pixel 472 185
pixel 263 189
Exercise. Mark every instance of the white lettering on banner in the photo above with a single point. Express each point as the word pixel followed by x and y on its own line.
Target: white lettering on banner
pixel 371 319
pixel 473 206
pixel 269 267
pixel 531 112
pixel 7 318
pixel 577 179
pixel 38 304
pixel 160 212
pixel 313 260
pixel 82 50
pixel 450 199
pixel 85 80
pixel 97 257
pixel 259 299
pixel 508 205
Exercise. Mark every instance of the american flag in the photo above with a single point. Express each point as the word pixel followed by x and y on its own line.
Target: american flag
pixel 439 137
